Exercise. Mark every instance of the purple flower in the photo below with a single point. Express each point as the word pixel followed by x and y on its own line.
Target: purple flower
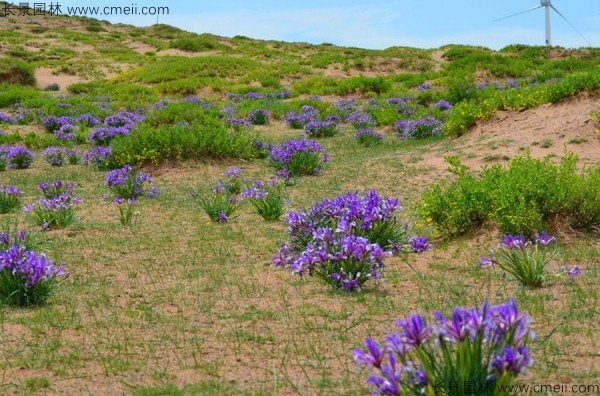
pixel 372 357
pixel 419 244
pixel 573 272
pixel 222 217
pixel 320 128
pixel 102 136
pixel 423 127
pixel 442 105
pixel 544 239
pixel 97 157
pixel 415 332
pixel 486 262
pixel 258 116
pixel 19 157
pixel 515 241
pixel 360 120
pixel 513 361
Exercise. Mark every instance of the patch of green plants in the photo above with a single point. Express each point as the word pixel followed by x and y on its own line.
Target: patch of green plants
pixel 198 140
pixel 16 71
pixel 520 198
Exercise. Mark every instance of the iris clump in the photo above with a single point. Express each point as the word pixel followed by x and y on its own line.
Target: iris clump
pixel 129 183
pixel 238 123
pixel 97 158
pixel 258 117
pixel 220 204
pixel 119 124
pixel 527 260
pixel 3 157
pixel 360 120
pixel 26 276
pixel 232 180
pixel 299 157
pixel 298 121
pixel 421 128
pixel 103 136
pixel 128 215
pixel 56 156
pixel 10 198
pixel 53 123
pixel 320 128
pixel 442 105
pixel 483 348
pixel 345 107
pixel 368 137
pixel 267 198
pixel 88 120
pixel 57 207
pixel 18 157
pixel 344 240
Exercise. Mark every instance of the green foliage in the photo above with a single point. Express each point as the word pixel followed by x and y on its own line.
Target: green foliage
pixel 519 199
pixel 220 205
pixel 15 71
pixel 199 140
pixel 195 44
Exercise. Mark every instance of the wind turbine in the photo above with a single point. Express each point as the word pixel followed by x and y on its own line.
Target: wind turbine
pixel 547 4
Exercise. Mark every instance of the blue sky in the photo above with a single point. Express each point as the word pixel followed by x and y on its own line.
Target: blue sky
pixel 377 23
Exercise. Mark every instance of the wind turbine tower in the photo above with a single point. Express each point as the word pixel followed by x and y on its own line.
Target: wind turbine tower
pixel 547 4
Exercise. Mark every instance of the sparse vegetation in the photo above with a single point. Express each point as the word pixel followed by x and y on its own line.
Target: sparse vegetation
pixel 174 295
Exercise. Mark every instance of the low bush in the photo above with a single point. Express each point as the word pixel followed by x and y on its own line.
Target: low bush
pixel 520 198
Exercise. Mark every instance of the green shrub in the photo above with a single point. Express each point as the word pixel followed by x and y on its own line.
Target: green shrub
pixel 520 198
pixel 15 71
pixel 195 44
pixel 199 140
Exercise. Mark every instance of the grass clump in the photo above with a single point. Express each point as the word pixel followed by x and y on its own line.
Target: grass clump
pixel 519 198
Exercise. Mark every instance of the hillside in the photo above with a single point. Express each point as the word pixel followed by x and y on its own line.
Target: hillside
pixel 227 210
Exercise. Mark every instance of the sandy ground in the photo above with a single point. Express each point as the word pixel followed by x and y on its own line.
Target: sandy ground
pixel 566 126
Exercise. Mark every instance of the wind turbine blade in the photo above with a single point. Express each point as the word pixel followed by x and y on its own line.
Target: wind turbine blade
pixel 518 13
pixel 569 22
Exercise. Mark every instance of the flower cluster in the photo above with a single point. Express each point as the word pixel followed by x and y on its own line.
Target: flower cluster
pixel 53 123
pixel 369 216
pixel 10 198
pixel 57 156
pixel 525 260
pixel 219 205
pixel 238 123
pixel 423 127
pixel 17 157
pixel 486 346
pixel 102 136
pixel 320 128
pixel 442 105
pixel 368 137
pixel 56 208
pixel 88 120
pixel 345 107
pixel 97 158
pixel 298 121
pixel 299 157
pixel 360 120
pixel 128 183
pixel 320 237
pixel 119 124
pixel 258 117
pixel 6 119
pixel 26 276
pixel 267 198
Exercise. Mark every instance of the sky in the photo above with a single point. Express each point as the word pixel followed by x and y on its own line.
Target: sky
pixel 376 24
